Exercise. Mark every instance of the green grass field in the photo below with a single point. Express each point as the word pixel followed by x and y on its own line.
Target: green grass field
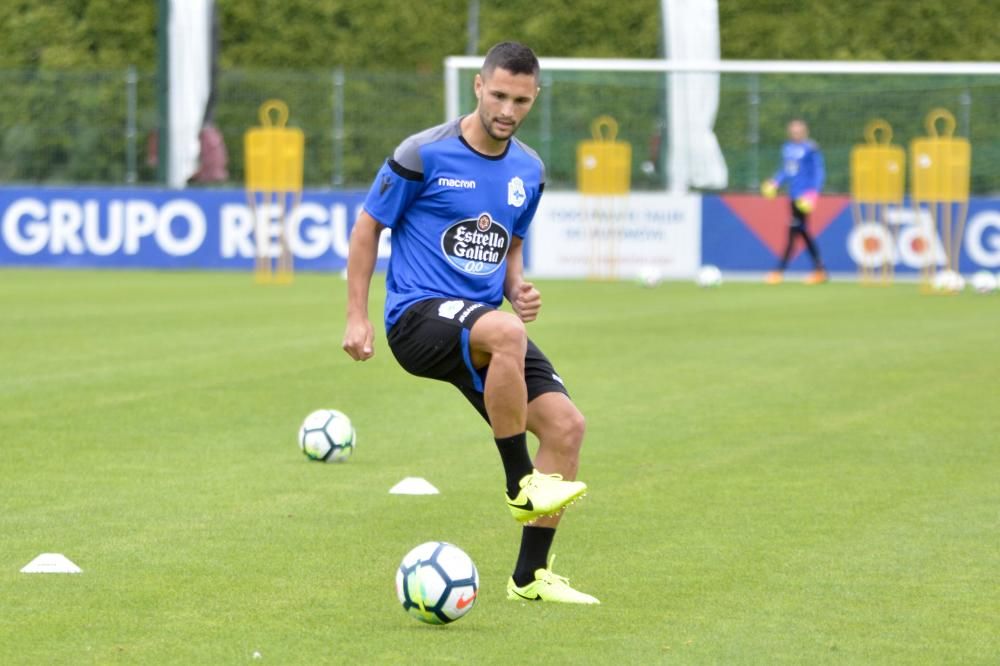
pixel 778 475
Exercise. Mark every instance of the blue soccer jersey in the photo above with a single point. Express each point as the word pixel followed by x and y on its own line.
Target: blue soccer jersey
pixel 801 167
pixel 453 213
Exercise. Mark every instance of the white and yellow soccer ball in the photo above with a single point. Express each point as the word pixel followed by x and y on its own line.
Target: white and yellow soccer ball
pixel 709 276
pixel 327 436
pixel 437 582
pixel 983 282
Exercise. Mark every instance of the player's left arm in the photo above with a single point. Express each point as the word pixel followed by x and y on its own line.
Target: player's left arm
pixel 523 296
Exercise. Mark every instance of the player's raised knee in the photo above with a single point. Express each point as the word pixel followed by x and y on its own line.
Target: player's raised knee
pixel 510 327
pixel 500 332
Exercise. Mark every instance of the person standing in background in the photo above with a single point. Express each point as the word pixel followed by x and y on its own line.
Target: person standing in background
pixel 802 168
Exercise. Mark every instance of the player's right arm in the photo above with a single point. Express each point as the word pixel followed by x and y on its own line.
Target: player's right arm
pixel 397 184
pixel 362 255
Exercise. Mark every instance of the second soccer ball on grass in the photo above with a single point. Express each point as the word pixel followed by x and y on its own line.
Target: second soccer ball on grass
pixel 327 435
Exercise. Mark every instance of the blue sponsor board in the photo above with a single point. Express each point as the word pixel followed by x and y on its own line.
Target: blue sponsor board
pixel 153 228
pixel 214 229
pixel 748 233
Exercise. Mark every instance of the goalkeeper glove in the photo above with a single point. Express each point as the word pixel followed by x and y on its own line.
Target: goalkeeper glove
pixel 807 202
pixel 769 189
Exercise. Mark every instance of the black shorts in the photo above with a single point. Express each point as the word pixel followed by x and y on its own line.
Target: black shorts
pixel 431 340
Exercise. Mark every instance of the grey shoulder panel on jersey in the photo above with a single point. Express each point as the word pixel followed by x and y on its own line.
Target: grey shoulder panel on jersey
pixel 407 154
pixel 531 151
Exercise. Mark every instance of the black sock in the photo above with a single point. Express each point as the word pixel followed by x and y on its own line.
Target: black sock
pixel 535 544
pixel 516 461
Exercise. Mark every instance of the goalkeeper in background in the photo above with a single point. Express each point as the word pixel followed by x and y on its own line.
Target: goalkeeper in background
pixel 802 168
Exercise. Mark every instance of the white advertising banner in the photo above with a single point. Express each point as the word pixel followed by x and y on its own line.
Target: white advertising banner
pixel 575 235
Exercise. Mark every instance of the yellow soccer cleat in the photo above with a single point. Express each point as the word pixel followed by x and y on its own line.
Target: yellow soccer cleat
pixel 774 277
pixel 543 495
pixel 548 586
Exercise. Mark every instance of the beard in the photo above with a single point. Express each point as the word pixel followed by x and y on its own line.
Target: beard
pixel 487 123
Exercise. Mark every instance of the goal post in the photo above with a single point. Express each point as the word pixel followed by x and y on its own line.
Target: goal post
pixel 756 98
pixel 738 132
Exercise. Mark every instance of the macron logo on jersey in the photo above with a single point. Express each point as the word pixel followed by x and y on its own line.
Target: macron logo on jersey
pixel 457 182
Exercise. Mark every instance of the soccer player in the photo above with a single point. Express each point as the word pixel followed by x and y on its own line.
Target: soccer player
pixel 802 168
pixel 459 198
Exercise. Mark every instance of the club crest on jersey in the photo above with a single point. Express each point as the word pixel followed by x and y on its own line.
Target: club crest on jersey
pixel 476 246
pixel 515 192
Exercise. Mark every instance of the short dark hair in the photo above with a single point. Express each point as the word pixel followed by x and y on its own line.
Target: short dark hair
pixel 514 57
